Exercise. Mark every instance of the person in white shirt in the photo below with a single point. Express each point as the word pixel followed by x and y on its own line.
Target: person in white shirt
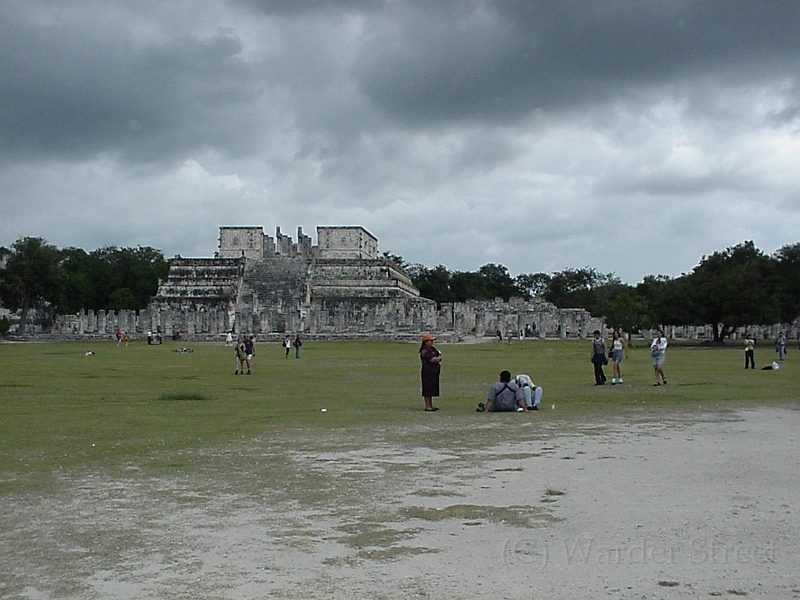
pixel 658 354
pixel 530 391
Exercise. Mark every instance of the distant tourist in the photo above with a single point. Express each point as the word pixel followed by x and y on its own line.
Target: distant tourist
pixel 749 351
pixel 599 358
pixel 287 344
pixel 505 395
pixel 658 355
pixel 250 350
pixel 431 360
pixel 297 343
pixel 780 346
pixel 531 393
pixel 618 348
pixel 241 356
pixel 229 338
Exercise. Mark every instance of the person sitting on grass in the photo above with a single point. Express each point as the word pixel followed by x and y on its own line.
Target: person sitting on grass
pixel 505 395
pixel 530 391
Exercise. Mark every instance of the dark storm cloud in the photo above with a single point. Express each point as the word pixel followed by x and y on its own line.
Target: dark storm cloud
pixel 460 121
pixel 305 7
pixel 70 92
pixel 501 60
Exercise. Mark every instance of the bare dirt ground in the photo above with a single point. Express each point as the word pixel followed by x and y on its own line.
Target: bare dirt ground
pixel 676 506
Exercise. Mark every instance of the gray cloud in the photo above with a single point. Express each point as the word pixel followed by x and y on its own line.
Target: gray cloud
pixel 540 135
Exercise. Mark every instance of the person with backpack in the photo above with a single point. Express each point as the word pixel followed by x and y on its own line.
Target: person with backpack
pixel 599 357
pixel 505 396
pixel 297 343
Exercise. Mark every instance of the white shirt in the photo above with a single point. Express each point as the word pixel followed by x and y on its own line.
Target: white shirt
pixel 523 380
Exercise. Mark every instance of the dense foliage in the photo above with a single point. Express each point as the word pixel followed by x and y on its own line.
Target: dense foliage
pixel 37 275
pixel 730 289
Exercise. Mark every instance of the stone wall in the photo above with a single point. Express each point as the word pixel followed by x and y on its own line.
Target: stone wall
pixel 338 288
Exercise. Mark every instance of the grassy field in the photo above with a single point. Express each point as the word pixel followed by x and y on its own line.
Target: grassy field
pixel 60 409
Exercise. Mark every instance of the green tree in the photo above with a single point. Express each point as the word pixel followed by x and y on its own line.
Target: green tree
pixel 30 278
pixel 622 307
pixel 577 288
pixel 498 283
pixel 469 285
pixel 532 285
pixel 113 269
pixel 787 273
pixel 433 284
pixel 78 273
pixel 733 288
pixel 666 301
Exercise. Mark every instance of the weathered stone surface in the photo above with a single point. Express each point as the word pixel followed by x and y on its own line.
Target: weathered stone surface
pixel 341 287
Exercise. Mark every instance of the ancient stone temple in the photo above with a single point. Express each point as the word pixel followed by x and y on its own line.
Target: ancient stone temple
pixel 261 284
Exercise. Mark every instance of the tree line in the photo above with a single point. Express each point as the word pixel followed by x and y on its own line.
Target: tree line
pixel 37 275
pixel 729 289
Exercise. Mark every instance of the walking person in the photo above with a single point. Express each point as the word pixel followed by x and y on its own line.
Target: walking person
pixel 297 343
pixel 241 356
pixel 618 347
pixel 287 345
pixel 749 352
pixel 249 350
pixel 599 358
pixel 780 346
pixel 658 355
pixel 431 360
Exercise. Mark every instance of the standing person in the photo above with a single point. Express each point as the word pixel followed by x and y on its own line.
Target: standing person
pixel 531 393
pixel 431 360
pixel 658 355
pixel 505 395
pixel 287 344
pixel 250 351
pixel 749 351
pixel 618 346
pixel 780 346
pixel 118 335
pixel 229 338
pixel 297 343
pixel 599 358
pixel 241 354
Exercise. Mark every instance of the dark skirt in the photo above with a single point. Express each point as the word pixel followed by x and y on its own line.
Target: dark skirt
pixel 430 384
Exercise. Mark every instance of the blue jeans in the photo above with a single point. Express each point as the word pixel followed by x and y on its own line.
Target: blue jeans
pixel 537 395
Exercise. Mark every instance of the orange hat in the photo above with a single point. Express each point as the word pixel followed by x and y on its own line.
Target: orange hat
pixel 427 337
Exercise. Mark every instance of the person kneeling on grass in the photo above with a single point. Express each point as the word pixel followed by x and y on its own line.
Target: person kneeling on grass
pixel 505 395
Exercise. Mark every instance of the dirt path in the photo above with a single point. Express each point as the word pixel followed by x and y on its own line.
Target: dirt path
pixel 684 507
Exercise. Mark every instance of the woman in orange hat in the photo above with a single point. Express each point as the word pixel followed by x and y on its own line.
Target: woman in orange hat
pixel 431 360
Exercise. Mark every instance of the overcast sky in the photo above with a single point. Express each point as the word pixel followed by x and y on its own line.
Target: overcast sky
pixel 631 136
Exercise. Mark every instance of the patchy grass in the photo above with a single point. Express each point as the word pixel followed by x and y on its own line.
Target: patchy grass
pixel 147 405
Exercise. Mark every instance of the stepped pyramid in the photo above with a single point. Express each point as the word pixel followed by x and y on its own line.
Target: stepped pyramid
pixel 264 284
